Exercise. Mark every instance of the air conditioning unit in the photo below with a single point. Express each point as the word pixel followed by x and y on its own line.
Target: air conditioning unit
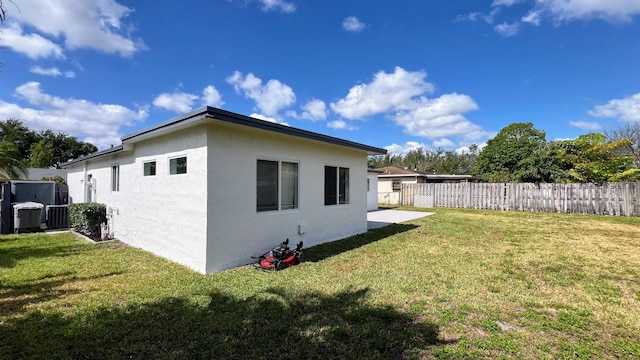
pixel 57 216
pixel 26 215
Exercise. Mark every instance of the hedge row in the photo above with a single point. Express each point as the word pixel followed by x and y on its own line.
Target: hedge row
pixel 86 218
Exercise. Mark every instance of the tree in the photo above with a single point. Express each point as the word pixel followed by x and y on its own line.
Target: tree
pixel 42 155
pixel 13 131
pixel 592 159
pixel 503 157
pixel 10 162
pixel 64 147
pixel 630 132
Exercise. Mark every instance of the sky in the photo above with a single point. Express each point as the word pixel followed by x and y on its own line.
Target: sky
pixel 392 74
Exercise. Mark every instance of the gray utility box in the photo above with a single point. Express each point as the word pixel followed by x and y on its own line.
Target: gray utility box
pixel 27 215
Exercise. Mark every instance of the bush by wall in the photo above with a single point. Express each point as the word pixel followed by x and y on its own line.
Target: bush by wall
pixel 86 218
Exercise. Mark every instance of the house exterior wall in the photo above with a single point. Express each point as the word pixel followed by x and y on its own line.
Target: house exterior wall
pixel 165 214
pixel 372 191
pixel 237 231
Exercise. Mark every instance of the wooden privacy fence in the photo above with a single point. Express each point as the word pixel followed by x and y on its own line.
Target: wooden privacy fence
pixel 619 199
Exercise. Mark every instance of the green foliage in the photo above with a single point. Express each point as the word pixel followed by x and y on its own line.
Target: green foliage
pixel 520 153
pixel 58 179
pixel 42 148
pixel 42 155
pixel 10 161
pixel 86 218
pixel 436 161
pixel 591 159
pixel 504 156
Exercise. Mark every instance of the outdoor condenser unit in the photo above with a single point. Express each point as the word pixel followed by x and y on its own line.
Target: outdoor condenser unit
pixel 26 215
pixel 57 216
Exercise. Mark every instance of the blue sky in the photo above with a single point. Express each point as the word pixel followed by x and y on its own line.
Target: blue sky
pixel 392 74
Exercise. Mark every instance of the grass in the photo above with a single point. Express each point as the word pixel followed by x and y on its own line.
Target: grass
pixel 460 284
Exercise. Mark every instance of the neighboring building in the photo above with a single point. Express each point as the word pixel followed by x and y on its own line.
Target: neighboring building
pixel 372 189
pixel 36 174
pixel 391 178
pixel 39 174
pixel 212 188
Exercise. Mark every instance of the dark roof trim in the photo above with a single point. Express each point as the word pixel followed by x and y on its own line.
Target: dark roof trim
pixel 234 118
pixel 112 150
pixel 228 116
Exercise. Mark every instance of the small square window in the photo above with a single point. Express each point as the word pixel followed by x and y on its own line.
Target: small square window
pixel 150 168
pixel 178 165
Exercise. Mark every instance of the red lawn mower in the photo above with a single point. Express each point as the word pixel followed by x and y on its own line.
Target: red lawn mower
pixel 281 257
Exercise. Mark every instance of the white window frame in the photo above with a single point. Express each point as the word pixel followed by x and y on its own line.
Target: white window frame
pixel 115 178
pixel 144 163
pixel 186 171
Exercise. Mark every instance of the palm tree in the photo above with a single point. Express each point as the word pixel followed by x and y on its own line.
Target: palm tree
pixel 10 162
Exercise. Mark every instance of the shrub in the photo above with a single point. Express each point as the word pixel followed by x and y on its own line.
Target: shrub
pixel 86 218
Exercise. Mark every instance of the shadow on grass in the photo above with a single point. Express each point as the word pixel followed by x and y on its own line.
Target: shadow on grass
pixel 326 250
pixel 275 324
pixel 14 299
pixel 14 248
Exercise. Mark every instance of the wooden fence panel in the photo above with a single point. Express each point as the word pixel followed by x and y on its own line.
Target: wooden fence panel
pixel 617 199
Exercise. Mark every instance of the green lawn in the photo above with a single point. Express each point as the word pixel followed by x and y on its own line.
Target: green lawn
pixel 458 284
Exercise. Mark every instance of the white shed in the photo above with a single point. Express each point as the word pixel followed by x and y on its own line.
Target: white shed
pixel 212 188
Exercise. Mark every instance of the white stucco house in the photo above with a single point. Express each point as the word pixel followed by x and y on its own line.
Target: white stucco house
pixel 212 188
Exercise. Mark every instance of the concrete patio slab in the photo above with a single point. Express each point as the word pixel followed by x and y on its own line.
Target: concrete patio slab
pixel 380 218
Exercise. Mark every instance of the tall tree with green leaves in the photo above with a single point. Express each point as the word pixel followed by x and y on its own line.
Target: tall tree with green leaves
pixel 590 158
pixel 64 147
pixel 10 163
pixel 42 155
pixel 503 159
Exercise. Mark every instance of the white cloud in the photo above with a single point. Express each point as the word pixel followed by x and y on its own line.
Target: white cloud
pixel 505 2
pixel 80 24
pixel 507 30
pixel 586 125
pixel 477 16
pixel 404 149
pixel 341 125
pixel 401 97
pixel 179 102
pixel 94 122
pixel 627 109
pixel 313 110
pixel 54 71
pixel 182 102
pixel 269 119
pixel 269 98
pixel 352 24
pixel 608 10
pixel 443 143
pixel 533 17
pixel 438 118
pixel 211 97
pixel 386 92
pixel 283 6
pixel 33 46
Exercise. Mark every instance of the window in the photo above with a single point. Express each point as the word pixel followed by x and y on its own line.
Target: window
pixel 277 185
pixel 115 178
pixel 178 165
pixel 150 168
pixel 336 185
pixel 396 185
